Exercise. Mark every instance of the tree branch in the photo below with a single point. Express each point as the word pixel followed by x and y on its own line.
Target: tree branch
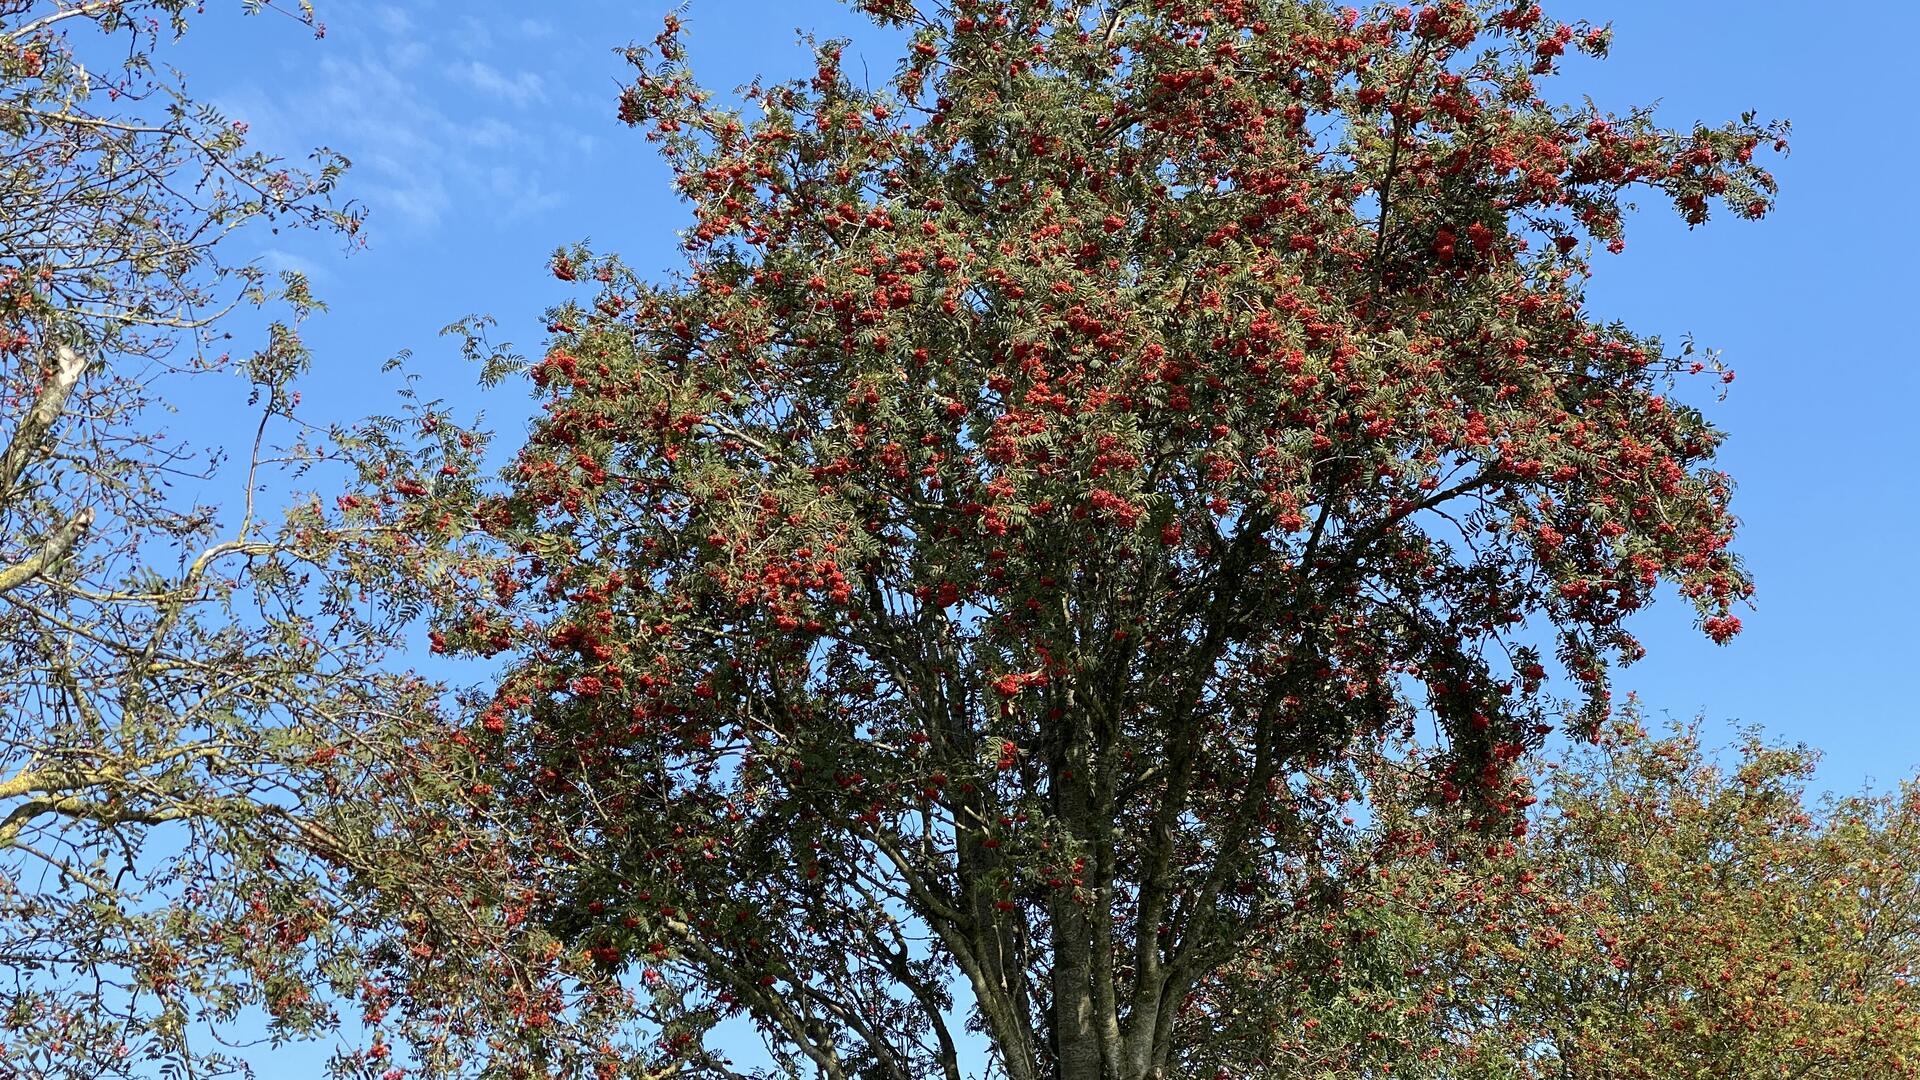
pixel 56 548
pixel 29 438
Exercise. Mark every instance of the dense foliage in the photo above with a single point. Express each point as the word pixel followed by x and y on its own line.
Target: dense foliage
pixel 1672 913
pixel 963 595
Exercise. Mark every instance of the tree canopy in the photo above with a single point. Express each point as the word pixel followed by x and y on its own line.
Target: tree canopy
pixel 959 598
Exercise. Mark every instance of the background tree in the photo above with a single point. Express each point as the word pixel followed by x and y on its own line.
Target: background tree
pixel 1709 920
pixel 962 593
pixel 1672 913
pixel 205 755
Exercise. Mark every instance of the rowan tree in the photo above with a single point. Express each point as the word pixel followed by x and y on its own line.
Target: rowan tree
pixel 957 597
pixel 208 753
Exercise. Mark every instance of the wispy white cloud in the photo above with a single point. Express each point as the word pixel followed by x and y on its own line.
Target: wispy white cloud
pixel 471 35
pixel 406 53
pixel 520 193
pixel 520 88
pixel 393 20
pixel 492 133
pixel 427 138
pixel 281 261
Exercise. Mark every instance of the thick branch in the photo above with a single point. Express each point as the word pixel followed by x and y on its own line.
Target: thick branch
pixel 50 553
pixel 29 438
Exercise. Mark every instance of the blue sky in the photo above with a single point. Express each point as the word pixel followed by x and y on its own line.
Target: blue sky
pixel 483 137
